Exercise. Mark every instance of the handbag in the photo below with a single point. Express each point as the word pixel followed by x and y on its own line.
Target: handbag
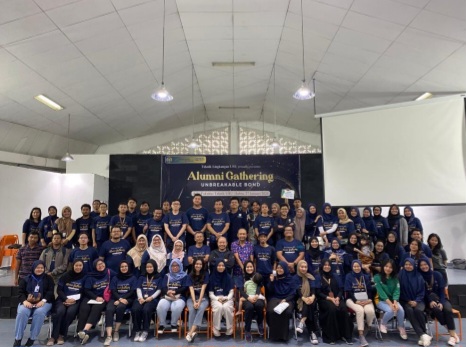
pixel 169 298
pixel 107 292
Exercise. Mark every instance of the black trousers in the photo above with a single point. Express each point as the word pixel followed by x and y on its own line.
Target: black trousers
pixel 63 317
pixel 445 316
pixel 142 314
pixel 90 313
pixel 309 311
pixel 416 317
pixel 118 311
pixel 249 310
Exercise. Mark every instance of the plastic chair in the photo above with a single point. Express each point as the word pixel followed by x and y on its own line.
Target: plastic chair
pixel 457 314
pixel 208 329
pixel 5 241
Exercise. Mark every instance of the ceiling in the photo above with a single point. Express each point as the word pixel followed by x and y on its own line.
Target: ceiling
pixel 102 59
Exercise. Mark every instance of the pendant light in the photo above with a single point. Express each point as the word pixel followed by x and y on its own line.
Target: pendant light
pixel 67 156
pixel 275 144
pixel 193 144
pixel 162 94
pixel 304 92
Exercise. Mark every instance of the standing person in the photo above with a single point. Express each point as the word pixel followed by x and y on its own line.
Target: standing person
pixel 387 300
pixel 379 257
pixel 154 226
pixel 197 220
pixel 148 289
pixel 398 224
pixel 46 226
pixel 393 248
pixel 439 256
pixel 175 223
pixel 94 288
pixel 137 252
pixel 370 224
pixel 381 223
pixel 264 222
pixel 412 293
pixel 157 252
pixel 141 218
pixel 345 226
pixel 245 206
pixel 289 250
pixel 297 203
pixel 26 256
pixel 55 258
pixel 31 224
pixel 306 303
pixel 84 253
pixel 166 207
pixel 238 220
pixel 83 223
pixel 265 257
pixel 412 220
pixel 334 318
pixel 174 287
pixel 101 227
pixel 198 296
pixel 69 294
pixel 359 225
pixel 438 305
pixel 243 251
pixel 358 292
pixel 123 221
pixel 65 226
pixel 95 209
pixel 300 224
pixel 218 224
pixel 123 287
pixel 275 210
pixel 328 224
pixel 35 300
pixel 282 221
pixel 199 250
pixel 114 250
pixel 312 219
pixel 222 253
pixel 221 298
pixel 314 256
pixel 131 211
pixel 281 289
pixel 252 215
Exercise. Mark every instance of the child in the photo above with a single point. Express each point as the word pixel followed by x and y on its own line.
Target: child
pixel 250 288
pixel 365 255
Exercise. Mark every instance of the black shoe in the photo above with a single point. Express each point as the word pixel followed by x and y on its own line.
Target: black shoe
pixel 29 343
pixel 17 343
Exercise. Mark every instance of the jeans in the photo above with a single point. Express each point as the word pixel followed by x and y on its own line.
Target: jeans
pixel 195 316
pixel 389 314
pixel 176 307
pixel 38 316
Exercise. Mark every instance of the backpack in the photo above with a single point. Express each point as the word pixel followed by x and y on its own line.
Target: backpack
pixel 459 264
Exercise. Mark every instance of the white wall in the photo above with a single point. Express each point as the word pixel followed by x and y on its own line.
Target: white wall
pixel 97 164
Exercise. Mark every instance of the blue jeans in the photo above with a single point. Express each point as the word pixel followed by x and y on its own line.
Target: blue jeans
pixel 195 316
pixel 389 314
pixel 38 316
pixel 164 306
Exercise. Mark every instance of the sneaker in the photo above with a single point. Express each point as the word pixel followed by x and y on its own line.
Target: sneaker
pixel 261 330
pixel 50 342
pixel 17 343
pixel 174 329
pixel 229 332
pixel 136 338
pixel 216 332
pixel 426 340
pixel 60 340
pixel 452 341
pixel 188 337
pixel 363 342
pixel 108 341
pixel 457 338
pixel 83 336
pixel 193 336
pixel 116 336
pixel 143 336
pixel 420 342
pixel 161 329
pixel 29 343
pixel 248 337
pixel 300 327
pixel 403 334
pixel 383 328
pixel 332 342
pixel 348 341
pixel 313 339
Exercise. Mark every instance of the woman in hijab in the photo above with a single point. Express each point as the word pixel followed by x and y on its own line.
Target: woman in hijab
pixel 412 220
pixel 345 225
pixel 221 298
pixel 381 223
pixel 137 252
pixel 65 226
pixel 306 303
pixel 438 305
pixel 334 319
pixel 393 248
pixel 359 225
pixel 352 246
pixel 328 223
pixel 281 289
pixel 312 219
pixel 198 300
pixel 148 289
pixel 358 291
pixel 174 287
pixel 158 252
pixel 314 256
pixel 94 288
pixel 35 300
pixel 339 259
pixel 398 224
pixel 412 294
pixel 70 290
pixel 123 287
pixel 177 252
pixel 46 226
pixel 379 257
pixel 300 224
pixel 370 224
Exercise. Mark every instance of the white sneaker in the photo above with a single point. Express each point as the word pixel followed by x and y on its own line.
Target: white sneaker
pixel 188 337
pixel 451 341
pixel 383 328
pixel 426 340
pixel 300 327
pixel 143 336
pixel 314 339
pixel 216 332
pixel 136 338
pixel 229 332
pixel 108 341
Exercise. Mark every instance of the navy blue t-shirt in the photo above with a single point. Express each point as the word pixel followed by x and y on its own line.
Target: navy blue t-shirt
pixel 83 226
pixel 46 227
pixel 149 286
pixel 124 223
pixel 197 286
pixel 139 222
pixel 218 222
pixel 290 249
pixel 71 287
pixel 123 286
pixel 97 285
pixel 238 220
pixel 154 227
pixel 114 253
pixel 101 226
pixel 345 229
pixel 265 258
pixel 175 223
pixel 86 255
pixel 30 225
pixel 195 252
pixel 197 218
pixel 265 224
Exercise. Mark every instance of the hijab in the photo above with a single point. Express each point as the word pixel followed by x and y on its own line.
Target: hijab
pixel 159 254
pixel 328 217
pixel 300 224
pixel 349 247
pixel 176 276
pixel 339 251
pixel 411 282
pixel 357 219
pixel 34 280
pixel 327 275
pixel 312 216
pixel 124 276
pixel 393 219
pixel 345 219
pixel 178 254
pixel 72 275
pixel 315 253
pixel 410 219
pixel 305 286
pixel 354 277
pixel 65 224
pixel 284 285
pixel 98 274
pixel 359 274
pixel 220 279
pixel 136 252
pixel 426 275
pixel 392 248
pixel 154 274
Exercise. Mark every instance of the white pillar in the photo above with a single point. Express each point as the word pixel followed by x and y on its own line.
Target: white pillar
pixel 234 137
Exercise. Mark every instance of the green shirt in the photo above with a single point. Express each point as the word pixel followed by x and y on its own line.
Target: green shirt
pixel 389 290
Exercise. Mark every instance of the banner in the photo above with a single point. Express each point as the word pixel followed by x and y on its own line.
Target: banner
pixel 257 177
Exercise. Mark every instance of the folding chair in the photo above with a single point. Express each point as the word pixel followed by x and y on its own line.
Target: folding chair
pixel 460 323
pixel 208 328
pixel 5 241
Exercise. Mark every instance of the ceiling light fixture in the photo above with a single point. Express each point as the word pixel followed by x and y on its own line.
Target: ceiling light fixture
pixel 162 94
pixel 68 157
pixel 47 102
pixel 424 96
pixel 304 92
pixel 193 144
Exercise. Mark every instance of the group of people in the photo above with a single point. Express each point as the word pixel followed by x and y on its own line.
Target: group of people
pixel 246 260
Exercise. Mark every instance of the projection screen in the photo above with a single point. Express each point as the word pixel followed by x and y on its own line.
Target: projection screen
pixel 409 153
